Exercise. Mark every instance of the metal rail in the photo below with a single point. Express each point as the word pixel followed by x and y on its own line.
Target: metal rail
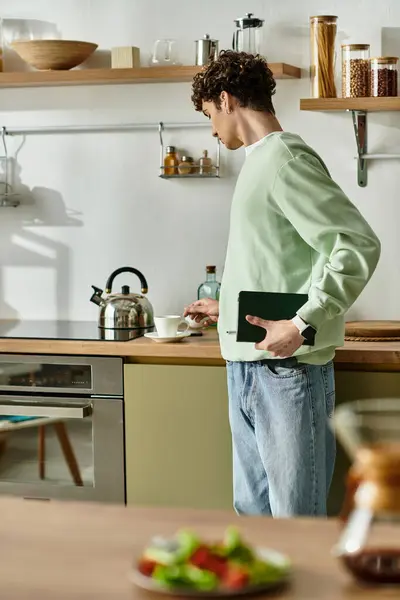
pixel 97 128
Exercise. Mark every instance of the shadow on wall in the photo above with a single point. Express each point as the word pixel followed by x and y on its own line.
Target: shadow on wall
pixel 22 246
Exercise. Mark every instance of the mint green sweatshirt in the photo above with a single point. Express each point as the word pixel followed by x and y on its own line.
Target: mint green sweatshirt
pixel 293 229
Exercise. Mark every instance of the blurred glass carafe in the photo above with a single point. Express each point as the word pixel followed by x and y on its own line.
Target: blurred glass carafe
pixel 369 544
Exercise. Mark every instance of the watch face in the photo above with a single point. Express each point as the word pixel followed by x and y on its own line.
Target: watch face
pixel 309 333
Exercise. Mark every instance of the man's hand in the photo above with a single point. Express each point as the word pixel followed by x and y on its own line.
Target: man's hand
pixel 282 338
pixel 203 308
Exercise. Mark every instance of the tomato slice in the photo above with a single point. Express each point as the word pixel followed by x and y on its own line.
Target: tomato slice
pixel 146 566
pixel 236 578
pixel 203 558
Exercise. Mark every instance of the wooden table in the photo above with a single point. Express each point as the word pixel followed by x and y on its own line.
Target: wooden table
pixel 64 551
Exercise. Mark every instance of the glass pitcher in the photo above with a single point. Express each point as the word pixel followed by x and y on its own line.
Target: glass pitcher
pixel 248 36
pixel 369 545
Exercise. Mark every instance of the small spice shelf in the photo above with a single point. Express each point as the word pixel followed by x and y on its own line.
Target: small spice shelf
pixel 359 107
pixel 214 169
pixel 211 175
pixel 176 74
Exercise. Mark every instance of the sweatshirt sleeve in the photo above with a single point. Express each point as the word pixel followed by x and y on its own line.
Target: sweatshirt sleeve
pixel 328 222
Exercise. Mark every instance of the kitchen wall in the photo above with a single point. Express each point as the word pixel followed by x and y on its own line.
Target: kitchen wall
pixel 91 203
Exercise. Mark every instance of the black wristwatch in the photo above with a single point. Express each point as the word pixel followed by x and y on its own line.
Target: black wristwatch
pixel 307 331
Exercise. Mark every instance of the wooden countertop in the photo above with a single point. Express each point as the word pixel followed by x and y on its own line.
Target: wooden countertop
pixel 201 349
pixel 75 551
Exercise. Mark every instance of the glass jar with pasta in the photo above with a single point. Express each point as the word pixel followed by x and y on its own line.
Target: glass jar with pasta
pixel 322 69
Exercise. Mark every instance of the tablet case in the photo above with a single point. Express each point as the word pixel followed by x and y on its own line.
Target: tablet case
pixel 272 306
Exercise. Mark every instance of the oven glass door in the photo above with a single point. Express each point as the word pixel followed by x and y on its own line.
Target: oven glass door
pixel 47 441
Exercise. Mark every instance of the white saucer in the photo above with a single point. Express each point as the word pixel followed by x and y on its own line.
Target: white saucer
pixel 167 340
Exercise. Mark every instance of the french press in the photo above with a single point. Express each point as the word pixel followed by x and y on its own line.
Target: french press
pixel 248 36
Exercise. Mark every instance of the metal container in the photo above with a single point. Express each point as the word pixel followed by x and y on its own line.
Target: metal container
pixel 206 50
pixel 124 310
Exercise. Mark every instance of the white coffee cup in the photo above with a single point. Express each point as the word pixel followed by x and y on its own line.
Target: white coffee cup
pixel 167 325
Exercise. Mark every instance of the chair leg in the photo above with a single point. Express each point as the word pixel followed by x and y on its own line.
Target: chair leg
pixel 68 452
pixel 42 451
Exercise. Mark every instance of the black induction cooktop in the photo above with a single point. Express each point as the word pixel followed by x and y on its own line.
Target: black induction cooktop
pixel 65 330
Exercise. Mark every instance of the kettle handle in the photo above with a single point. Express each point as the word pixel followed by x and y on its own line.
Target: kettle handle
pixel 113 275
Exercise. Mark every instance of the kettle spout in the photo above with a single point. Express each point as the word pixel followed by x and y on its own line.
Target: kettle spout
pixel 97 296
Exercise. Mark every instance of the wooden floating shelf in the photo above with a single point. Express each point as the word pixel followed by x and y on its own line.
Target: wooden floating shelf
pixel 362 104
pixel 178 74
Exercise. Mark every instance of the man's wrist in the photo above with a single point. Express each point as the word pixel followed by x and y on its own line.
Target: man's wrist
pixel 299 323
pixel 305 329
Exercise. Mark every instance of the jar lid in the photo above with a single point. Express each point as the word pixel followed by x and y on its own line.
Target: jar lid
pixel 323 18
pixel 248 21
pixel 207 37
pixel 186 159
pixel 356 46
pixel 385 60
pixel 170 149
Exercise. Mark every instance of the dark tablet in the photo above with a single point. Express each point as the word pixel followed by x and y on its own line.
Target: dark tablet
pixel 266 305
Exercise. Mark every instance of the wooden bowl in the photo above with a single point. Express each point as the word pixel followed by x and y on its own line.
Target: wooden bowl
pixel 53 55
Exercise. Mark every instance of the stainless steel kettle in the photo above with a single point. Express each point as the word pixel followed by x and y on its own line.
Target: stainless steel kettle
pixel 124 310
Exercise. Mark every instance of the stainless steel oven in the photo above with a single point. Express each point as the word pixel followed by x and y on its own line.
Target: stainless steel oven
pixel 62 427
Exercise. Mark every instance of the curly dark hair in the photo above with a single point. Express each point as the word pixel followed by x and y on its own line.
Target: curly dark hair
pixel 246 77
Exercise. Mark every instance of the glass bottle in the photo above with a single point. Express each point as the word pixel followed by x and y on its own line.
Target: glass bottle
pixel 210 288
pixel 322 69
pixel 171 161
pixel 369 545
pixel 205 164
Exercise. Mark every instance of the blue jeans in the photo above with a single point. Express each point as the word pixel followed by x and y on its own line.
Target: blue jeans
pixel 283 447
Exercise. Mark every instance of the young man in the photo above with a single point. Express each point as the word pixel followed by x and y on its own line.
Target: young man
pixel 292 229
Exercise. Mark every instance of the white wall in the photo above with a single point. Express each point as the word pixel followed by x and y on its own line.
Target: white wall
pixel 92 203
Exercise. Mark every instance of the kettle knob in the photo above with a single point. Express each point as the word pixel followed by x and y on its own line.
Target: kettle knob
pixel 125 290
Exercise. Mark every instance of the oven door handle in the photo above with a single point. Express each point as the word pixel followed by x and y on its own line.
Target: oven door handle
pixel 39 409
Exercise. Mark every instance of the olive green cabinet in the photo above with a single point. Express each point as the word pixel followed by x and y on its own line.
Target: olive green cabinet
pixel 177 437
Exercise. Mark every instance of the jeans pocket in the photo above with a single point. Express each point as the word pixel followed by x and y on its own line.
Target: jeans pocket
pixel 282 369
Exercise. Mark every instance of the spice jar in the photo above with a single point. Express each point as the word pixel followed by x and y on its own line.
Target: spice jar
pixel 322 69
pixel 384 76
pixel 186 165
pixel 171 161
pixel 205 164
pixel 355 71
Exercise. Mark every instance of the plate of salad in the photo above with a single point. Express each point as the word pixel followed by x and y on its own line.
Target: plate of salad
pixel 187 566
